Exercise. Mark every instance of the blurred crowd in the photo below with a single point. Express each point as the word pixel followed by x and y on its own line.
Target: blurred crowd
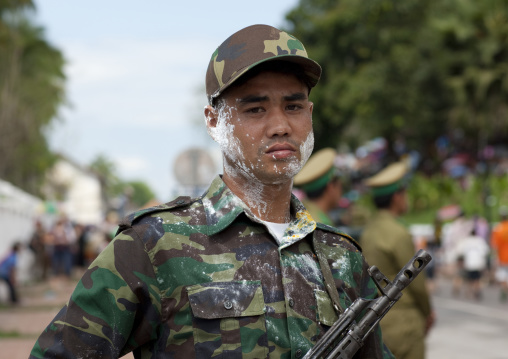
pixel 470 252
pixel 55 252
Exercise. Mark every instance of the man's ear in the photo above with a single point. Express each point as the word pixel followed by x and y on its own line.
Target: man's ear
pixel 211 119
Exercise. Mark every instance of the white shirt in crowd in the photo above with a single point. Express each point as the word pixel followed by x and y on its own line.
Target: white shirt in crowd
pixel 475 251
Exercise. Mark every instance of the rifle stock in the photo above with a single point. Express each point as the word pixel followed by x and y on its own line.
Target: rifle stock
pixel 347 335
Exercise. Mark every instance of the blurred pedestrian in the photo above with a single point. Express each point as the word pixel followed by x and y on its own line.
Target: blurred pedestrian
pixel 459 229
pixel 319 181
pixel 499 244
pixel 82 238
pixel 474 251
pixel 482 228
pixel 389 245
pixel 433 246
pixel 63 240
pixel 38 246
pixel 8 271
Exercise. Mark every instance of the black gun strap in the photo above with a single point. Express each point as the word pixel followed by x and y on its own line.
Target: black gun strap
pixel 327 275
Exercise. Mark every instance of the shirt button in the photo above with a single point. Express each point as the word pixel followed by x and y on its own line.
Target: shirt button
pixel 298 353
pixel 228 305
pixel 291 302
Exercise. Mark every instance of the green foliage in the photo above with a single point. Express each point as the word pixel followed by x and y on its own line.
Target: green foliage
pixel 482 195
pixel 10 334
pixel 475 35
pixel 138 192
pixel 31 90
pixel 105 170
pixel 411 69
pixel 141 193
pixel 476 195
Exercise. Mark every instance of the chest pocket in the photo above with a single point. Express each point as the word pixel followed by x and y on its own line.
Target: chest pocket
pixel 228 319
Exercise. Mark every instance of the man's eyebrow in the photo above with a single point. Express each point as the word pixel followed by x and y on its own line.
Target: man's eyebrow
pixel 296 97
pixel 252 99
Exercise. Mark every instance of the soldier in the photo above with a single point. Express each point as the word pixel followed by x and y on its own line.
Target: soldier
pixel 235 272
pixel 388 245
pixel 322 187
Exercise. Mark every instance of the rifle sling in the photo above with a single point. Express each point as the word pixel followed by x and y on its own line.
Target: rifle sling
pixel 327 275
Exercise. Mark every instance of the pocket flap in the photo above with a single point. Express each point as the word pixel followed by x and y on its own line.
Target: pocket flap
pixel 326 313
pixel 226 299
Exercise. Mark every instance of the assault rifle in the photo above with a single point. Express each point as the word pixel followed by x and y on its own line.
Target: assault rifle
pixel 346 335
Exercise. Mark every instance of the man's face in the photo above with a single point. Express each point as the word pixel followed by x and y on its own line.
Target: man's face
pixel 264 128
pixel 402 201
pixel 336 191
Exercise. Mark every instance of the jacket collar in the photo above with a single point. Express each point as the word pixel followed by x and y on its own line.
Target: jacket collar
pixel 222 207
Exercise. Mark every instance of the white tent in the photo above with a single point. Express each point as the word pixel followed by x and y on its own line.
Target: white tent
pixel 18 211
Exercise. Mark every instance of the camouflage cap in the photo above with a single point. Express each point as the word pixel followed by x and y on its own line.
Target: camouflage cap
pixel 250 47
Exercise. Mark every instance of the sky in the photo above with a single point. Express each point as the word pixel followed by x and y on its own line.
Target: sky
pixel 135 78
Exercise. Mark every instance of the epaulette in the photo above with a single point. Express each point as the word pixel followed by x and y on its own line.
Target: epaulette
pixel 128 220
pixel 328 228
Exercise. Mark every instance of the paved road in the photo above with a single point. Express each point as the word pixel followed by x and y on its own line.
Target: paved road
pixel 468 329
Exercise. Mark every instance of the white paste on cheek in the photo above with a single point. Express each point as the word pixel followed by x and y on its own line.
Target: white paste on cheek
pixel 223 133
pixel 306 149
pixel 230 145
pixel 294 166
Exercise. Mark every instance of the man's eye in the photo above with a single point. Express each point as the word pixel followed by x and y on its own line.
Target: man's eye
pixel 294 107
pixel 255 110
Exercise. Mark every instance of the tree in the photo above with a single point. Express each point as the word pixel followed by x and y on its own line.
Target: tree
pixel 116 192
pixel 475 35
pixel 31 91
pixel 141 193
pixel 410 69
pixel 111 185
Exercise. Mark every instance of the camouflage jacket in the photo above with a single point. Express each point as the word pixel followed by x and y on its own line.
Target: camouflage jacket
pixel 202 278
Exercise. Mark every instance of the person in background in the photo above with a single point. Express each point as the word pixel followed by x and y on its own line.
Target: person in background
pixel 388 245
pixel 499 243
pixel 319 181
pixel 8 271
pixel 474 252
pixel 38 246
pixel 434 248
pixel 459 229
pixel 63 240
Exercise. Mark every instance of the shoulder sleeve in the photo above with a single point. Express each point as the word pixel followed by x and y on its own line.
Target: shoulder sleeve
pixel 130 219
pixel 334 230
pixel 113 309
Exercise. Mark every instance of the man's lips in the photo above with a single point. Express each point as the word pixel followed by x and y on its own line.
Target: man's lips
pixel 281 150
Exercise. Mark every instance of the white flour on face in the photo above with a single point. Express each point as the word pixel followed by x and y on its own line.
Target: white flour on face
pixel 222 133
pixel 305 152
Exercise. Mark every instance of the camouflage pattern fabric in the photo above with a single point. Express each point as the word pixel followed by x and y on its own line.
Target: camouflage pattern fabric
pixel 249 47
pixel 202 278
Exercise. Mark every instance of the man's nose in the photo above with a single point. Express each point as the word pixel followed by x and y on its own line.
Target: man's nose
pixel 279 124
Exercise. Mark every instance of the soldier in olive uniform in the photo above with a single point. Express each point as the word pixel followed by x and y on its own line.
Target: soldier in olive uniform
pixel 322 187
pixel 388 244
pixel 235 272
